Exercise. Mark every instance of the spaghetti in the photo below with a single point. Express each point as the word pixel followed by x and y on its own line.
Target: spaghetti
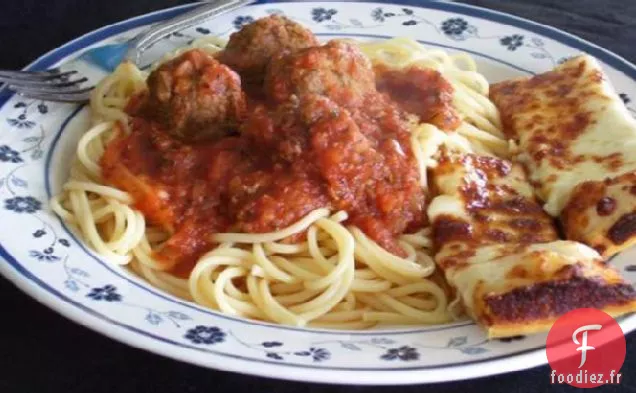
pixel 335 276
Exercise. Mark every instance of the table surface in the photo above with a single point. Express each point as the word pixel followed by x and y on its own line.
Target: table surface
pixel 40 351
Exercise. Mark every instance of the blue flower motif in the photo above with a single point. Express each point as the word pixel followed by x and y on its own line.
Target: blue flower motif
pixel 271 344
pixel 378 14
pixel 21 122
pixel 473 350
pixel 154 318
pixel 7 154
pixel 241 21
pixel 275 11
pixel 107 293
pixel 625 98
pixel 382 341
pixel 64 242
pixel 322 14
pixel 39 233
pixel 319 354
pixel 44 256
pixel 454 26
pixel 404 353
pixel 202 30
pixel 178 315
pixel 512 42
pixel 205 335
pixel 42 108
pixel 457 341
pixel 21 204
pixel 274 355
pixel 71 285
pixel 79 272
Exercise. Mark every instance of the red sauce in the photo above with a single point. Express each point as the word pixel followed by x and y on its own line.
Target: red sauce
pixel 423 92
pixel 286 161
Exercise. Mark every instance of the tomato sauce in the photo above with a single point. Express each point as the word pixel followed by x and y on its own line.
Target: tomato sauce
pixel 282 162
pixel 423 92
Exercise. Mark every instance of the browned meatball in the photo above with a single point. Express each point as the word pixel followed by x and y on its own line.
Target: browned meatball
pixel 337 70
pixel 286 130
pixel 195 97
pixel 251 48
pixel 373 177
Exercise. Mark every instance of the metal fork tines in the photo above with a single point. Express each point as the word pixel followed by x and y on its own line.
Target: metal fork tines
pixel 49 85
pixel 56 85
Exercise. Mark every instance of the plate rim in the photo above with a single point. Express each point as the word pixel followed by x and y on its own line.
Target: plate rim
pixel 508 363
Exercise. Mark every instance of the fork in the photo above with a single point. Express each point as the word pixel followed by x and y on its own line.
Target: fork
pixel 65 86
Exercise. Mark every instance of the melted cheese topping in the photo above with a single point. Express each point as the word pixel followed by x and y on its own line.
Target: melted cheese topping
pixel 500 250
pixel 570 126
pixel 483 200
pixel 603 214
pixel 499 269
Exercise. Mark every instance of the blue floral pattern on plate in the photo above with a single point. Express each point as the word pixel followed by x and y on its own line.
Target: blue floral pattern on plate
pixel 205 335
pixel 107 293
pixel 55 257
pixel 454 26
pixel 322 14
pixel 7 154
pixel 22 204
pixel 403 353
pixel 512 42
pixel 241 21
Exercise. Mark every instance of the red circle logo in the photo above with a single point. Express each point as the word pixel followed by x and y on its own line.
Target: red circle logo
pixel 586 349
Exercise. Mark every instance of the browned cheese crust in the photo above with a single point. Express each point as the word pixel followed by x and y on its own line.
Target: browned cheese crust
pixel 577 141
pixel 501 252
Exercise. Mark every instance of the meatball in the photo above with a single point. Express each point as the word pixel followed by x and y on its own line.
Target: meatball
pixel 338 70
pixel 194 97
pixel 251 48
pixel 286 130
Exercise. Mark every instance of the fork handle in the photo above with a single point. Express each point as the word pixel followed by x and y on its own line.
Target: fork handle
pixel 142 41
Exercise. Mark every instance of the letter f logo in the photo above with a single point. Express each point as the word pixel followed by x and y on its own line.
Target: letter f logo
pixel 584 347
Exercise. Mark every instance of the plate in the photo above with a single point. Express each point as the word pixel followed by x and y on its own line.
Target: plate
pixel 46 260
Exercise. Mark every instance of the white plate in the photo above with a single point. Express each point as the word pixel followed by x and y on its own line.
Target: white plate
pixel 48 262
